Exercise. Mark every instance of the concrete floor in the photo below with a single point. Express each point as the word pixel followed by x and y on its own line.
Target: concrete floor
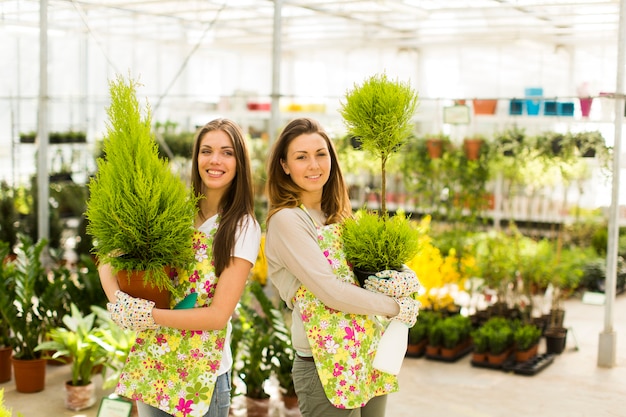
pixel 573 385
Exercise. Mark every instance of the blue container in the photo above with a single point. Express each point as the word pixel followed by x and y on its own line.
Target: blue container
pixel 565 108
pixel 516 107
pixel 533 107
pixel 550 108
pixel 533 92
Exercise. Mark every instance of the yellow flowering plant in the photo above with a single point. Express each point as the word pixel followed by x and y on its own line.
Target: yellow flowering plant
pixel 441 276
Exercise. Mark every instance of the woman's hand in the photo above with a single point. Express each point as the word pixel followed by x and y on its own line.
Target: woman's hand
pixel 132 313
pixel 393 283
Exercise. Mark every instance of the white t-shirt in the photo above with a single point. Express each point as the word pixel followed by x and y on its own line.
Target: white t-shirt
pixel 247 245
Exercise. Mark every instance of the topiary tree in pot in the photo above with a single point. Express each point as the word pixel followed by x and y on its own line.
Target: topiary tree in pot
pixel 140 214
pixel 379 113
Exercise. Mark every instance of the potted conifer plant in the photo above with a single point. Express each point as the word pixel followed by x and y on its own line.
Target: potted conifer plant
pixel 140 213
pixel 380 113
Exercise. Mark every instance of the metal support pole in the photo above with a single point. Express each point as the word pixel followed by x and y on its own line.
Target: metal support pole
pixel 607 344
pixel 276 53
pixel 43 181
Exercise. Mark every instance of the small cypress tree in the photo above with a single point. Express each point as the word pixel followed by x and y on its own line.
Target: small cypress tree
pixel 140 214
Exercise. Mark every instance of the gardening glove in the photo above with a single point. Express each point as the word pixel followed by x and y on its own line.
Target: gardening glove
pixel 135 313
pixel 409 309
pixel 393 283
pixel 115 311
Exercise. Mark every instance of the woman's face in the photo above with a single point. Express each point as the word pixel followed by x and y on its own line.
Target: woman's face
pixel 217 164
pixel 308 163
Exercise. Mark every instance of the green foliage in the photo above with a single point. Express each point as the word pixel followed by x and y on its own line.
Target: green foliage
pixel 76 341
pixel 117 342
pixel 140 214
pixel 376 243
pixel 379 113
pixel 526 336
pixel 480 340
pixel 418 332
pixel 4 410
pixel 281 352
pixel 455 329
pixel 499 333
pixel 21 306
pixel 253 343
pixel 8 216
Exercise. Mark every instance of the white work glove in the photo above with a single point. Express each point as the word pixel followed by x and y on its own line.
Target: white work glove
pixel 393 283
pixel 409 309
pixel 132 313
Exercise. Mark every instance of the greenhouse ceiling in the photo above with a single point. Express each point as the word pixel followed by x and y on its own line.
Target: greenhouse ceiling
pixel 349 23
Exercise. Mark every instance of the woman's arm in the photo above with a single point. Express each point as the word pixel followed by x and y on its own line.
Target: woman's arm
pixel 214 317
pixel 108 280
pixel 291 245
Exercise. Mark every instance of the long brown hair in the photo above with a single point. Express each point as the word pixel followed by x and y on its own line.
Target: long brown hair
pixel 284 193
pixel 237 201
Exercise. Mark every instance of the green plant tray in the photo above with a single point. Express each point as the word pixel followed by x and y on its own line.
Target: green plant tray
pixel 532 366
pixel 454 358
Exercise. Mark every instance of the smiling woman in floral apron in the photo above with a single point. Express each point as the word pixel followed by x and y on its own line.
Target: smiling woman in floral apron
pixel 334 329
pixel 181 360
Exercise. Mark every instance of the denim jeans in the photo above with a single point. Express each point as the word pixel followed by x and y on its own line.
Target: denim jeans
pixel 220 401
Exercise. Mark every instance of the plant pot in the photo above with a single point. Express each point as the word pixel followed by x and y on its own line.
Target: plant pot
pixel 435 148
pixel 485 106
pixel 416 349
pixel 472 148
pixel 5 363
pixel 132 283
pixel 79 397
pixel 257 407
pixel 525 355
pixel 30 374
pixel 433 350
pixel 498 358
pixel 555 340
pixel 479 357
pixel 290 401
pixel 585 105
pixel 361 275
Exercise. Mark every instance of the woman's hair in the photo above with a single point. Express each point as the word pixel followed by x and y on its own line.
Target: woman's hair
pixel 284 193
pixel 237 201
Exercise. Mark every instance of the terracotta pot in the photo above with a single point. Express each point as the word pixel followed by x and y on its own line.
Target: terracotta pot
pixel 479 357
pixel 79 397
pixel 525 355
pixel 257 407
pixel 497 359
pixel 5 363
pixel 416 349
pixel 435 148
pixel 487 106
pixel 132 283
pixel 472 148
pixel 30 374
pixel 290 401
pixel 433 350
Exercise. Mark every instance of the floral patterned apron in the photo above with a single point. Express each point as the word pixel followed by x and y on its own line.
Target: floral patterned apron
pixel 175 370
pixel 343 344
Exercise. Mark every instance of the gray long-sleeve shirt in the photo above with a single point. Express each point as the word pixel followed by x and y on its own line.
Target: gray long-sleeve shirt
pixel 294 258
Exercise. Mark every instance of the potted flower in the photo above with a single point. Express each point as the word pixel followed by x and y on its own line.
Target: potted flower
pixel 76 340
pixel 140 213
pixel 379 112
